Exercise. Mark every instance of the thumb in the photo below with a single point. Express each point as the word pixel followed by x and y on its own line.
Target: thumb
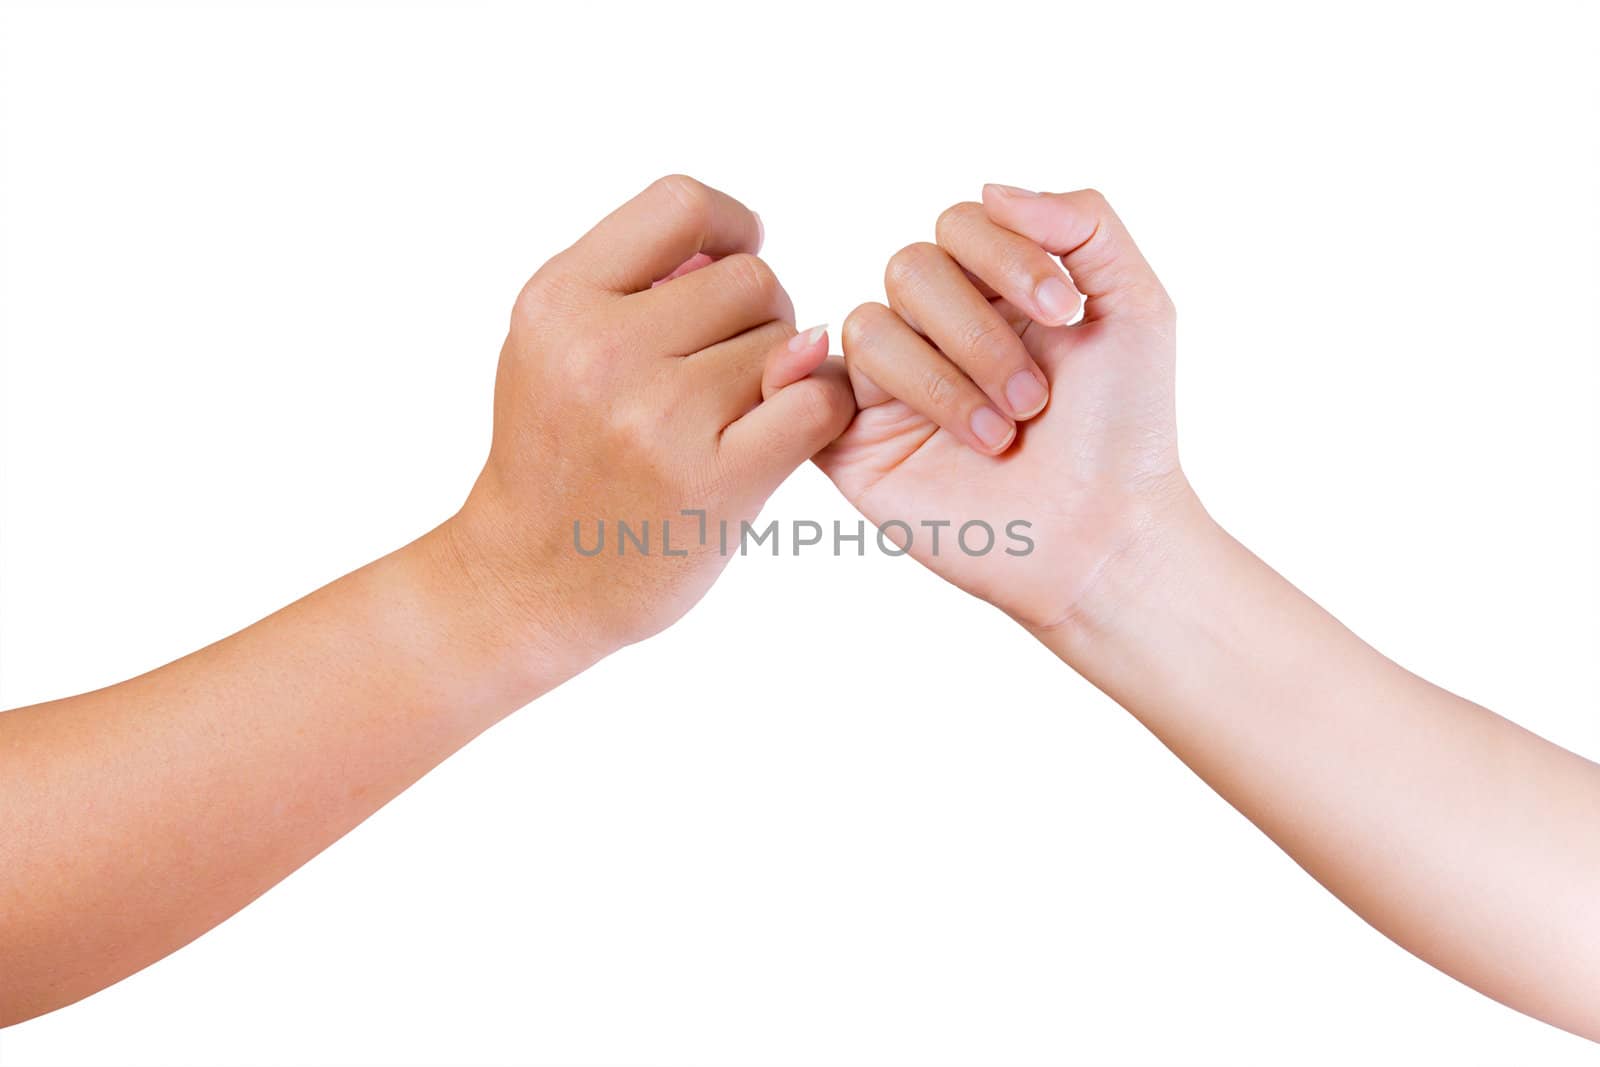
pixel 1092 242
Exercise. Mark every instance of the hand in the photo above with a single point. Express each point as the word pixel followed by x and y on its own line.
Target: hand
pixel 950 430
pixel 630 389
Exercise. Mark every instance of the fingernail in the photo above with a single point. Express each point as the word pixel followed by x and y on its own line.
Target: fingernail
pixel 990 427
pixel 1026 394
pixel 761 231
pixel 802 341
pixel 1057 300
pixel 1011 190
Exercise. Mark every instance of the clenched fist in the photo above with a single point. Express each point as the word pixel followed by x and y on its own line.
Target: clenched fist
pixel 630 392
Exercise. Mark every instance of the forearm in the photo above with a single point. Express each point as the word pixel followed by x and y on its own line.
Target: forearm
pixel 1468 840
pixel 136 817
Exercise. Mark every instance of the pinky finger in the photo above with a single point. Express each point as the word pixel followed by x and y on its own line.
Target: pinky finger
pixel 791 425
pixel 790 362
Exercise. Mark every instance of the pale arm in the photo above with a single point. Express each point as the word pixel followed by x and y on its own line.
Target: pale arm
pixel 1470 841
pixel 1463 837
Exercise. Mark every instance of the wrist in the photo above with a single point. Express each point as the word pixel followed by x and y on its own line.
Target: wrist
pixel 518 636
pixel 1161 565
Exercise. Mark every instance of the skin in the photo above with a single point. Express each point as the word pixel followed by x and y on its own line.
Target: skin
pixel 1463 837
pixel 135 818
pixel 653 367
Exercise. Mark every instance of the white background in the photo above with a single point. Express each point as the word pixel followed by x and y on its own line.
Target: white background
pixel 257 264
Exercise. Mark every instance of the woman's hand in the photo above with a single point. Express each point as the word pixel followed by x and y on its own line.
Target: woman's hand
pixel 956 425
pixel 630 391
pixel 1460 835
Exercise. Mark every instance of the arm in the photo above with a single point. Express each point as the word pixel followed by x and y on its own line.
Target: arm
pixel 135 818
pixel 1466 839
pixel 1469 841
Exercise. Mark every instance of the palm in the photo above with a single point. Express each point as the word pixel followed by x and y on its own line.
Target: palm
pixel 1076 473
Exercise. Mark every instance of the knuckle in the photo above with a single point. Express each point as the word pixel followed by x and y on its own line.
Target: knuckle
pixel 953 218
pixel 1026 272
pixel 540 292
pixel 1167 307
pixel 910 265
pixel 530 301
pixel 1161 307
pixel 549 305
pixel 1095 200
pixel 939 388
pixel 989 341
pixel 752 277
pixel 862 326
pixel 637 425
pixel 815 403
pixel 691 195
pixel 1149 305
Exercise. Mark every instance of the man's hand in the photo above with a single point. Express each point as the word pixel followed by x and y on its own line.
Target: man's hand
pixel 616 400
pixel 630 391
